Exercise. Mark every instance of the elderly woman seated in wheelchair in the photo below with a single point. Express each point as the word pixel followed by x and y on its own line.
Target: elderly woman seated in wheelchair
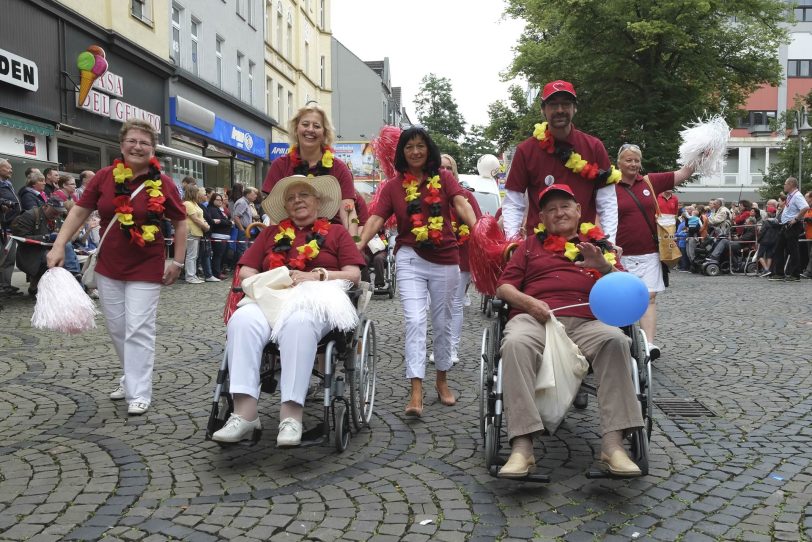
pixel 555 270
pixel 314 250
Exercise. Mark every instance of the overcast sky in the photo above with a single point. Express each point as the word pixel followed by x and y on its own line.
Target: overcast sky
pixel 464 40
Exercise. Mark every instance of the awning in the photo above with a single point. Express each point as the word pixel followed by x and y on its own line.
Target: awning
pixel 163 149
pixel 27 126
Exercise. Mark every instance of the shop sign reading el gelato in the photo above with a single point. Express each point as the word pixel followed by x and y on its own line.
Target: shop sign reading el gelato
pixel 98 84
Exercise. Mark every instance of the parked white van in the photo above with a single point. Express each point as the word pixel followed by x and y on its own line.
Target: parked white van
pixel 486 192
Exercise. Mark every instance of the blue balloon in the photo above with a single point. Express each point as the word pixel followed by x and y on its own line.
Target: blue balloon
pixel 619 299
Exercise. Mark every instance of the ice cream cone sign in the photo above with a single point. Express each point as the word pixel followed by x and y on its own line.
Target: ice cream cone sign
pixel 92 64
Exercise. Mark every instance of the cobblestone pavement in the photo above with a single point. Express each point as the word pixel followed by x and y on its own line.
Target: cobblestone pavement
pixel 73 465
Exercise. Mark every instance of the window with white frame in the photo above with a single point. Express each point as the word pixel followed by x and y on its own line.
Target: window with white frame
pixel 239 74
pixel 175 52
pixel 289 48
pixel 240 8
pixel 307 59
pixel 218 52
pixel 268 95
pixel 322 72
pixel 195 34
pixel 322 15
pixel 249 11
pixel 142 10
pixel 251 82
pixel 290 105
pixel 279 104
pixel 279 25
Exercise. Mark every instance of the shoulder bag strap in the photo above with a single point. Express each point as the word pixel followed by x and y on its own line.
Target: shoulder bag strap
pixel 115 218
pixel 657 212
pixel 645 215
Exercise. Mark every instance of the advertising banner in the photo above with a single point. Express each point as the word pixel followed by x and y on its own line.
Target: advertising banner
pixel 359 158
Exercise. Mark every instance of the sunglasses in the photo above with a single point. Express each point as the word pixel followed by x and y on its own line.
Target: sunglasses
pixel 627 146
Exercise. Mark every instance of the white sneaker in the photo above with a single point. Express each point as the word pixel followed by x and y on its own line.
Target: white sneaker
pixel 290 433
pixel 137 408
pixel 431 357
pixel 236 429
pixel 93 294
pixel 117 393
pixel 194 280
pixel 466 301
pixel 212 279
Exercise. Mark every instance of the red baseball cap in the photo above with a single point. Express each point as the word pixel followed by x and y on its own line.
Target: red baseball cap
pixel 553 188
pixel 557 86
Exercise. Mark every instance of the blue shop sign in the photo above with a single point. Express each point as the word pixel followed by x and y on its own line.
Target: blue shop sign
pixel 275 150
pixel 224 132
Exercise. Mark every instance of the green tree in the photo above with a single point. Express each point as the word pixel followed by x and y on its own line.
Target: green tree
pixel 784 163
pixel 511 121
pixel 475 144
pixel 437 109
pixel 644 68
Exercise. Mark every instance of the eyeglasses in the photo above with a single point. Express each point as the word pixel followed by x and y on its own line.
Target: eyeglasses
pixel 559 105
pixel 136 142
pixel 301 195
pixel 627 146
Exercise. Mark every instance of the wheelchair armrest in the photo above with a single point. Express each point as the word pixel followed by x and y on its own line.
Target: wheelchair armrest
pixel 355 294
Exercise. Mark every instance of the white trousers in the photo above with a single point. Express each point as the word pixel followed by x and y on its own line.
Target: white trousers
pixel 192 244
pixel 249 332
pixel 130 308
pixel 456 312
pixel 418 279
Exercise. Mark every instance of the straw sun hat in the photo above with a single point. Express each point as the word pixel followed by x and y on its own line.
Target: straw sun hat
pixel 325 187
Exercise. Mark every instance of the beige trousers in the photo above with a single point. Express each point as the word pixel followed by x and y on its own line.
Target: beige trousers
pixel 606 348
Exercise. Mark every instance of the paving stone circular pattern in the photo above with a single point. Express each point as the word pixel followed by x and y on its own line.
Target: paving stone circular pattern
pixel 73 465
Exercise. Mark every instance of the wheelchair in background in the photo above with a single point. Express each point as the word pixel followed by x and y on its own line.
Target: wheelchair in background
pixel 492 428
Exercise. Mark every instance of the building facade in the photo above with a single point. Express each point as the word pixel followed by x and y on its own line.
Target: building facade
pixel 42 121
pixel 297 61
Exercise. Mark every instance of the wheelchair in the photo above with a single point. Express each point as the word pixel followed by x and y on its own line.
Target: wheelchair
pixel 390 274
pixel 354 352
pixel 494 432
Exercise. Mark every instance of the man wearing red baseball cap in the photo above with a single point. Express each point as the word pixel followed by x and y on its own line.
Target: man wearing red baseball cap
pixel 550 272
pixel 544 159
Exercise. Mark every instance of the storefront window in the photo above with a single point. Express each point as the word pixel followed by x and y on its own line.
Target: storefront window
pixel 76 158
pixel 244 173
pixel 184 167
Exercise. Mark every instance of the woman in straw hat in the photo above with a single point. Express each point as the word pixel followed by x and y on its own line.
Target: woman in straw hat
pixel 313 249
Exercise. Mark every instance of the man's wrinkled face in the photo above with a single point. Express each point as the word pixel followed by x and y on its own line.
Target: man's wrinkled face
pixel 560 215
pixel 6 170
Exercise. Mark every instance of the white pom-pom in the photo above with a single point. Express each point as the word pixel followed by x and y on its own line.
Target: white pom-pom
pixel 704 145
pixel 62 304
pixel 327 300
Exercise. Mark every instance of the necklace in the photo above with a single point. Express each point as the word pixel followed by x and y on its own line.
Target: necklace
pixel 300 167
pixel 588 233
pixel 571 159
pixel 283 243
pixel 124 209
pixel 428 233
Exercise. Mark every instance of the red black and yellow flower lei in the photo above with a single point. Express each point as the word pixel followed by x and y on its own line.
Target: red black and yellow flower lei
pixel 427 233
pixel 572 160
pixel 588 233
pixel 300 167
pixel 155 203
pixel 283 243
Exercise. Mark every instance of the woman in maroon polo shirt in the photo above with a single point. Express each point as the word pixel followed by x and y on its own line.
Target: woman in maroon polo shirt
pixel 311 154
pixel 421 197
pixel 131 266
pixel 641 254
pixel 295 204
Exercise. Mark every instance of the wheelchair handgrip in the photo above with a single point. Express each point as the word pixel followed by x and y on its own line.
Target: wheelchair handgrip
pixel 237 289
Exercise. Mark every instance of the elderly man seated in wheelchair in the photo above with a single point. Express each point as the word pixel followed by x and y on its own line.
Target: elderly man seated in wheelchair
pixel 551 271
pixel 313 249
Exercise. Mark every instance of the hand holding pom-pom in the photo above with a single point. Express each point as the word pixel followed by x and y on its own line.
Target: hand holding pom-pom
pixel 704 145
pixel 62 304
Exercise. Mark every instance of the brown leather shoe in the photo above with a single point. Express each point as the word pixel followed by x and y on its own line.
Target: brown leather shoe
pixel 619 464
pixel 517 466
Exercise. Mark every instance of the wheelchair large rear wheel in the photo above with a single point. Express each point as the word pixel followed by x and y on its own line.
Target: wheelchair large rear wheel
pixel 484 379
pixel 364 378
pixel 640 450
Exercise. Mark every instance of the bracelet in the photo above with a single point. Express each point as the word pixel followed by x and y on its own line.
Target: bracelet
pixel 179 264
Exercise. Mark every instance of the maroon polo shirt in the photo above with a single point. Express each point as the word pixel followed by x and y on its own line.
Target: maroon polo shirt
pixel 338 250
pixel 549 277
pixel 531 165
pixel 633 232
pixel 393 201
pixel 119 258
pixel 282 167
pixel 361 208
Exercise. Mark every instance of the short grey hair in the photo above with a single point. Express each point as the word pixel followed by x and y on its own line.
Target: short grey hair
pixel 34 177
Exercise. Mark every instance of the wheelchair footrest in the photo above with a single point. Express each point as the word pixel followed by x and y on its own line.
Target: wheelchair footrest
pixel 596 473
pixel 314 437
pixel 532 477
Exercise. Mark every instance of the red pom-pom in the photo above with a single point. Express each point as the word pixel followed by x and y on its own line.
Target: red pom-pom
pixel 384 146
pixel 486 247
pixel 233 297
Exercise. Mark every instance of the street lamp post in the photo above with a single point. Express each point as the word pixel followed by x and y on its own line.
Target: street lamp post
pixel 801 129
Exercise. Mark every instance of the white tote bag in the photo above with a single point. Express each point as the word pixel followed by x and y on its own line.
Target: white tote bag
pixel 563 367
